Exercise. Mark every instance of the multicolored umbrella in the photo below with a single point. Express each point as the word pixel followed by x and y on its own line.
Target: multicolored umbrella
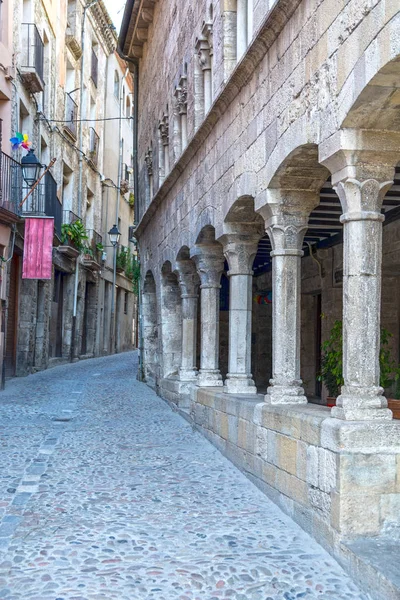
pixel 20 141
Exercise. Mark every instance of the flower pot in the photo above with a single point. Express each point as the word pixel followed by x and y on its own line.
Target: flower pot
pixel 394 406
pixel 330 401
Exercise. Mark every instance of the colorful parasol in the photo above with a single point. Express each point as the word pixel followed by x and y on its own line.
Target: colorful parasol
pixel 20 140
pixel 263 298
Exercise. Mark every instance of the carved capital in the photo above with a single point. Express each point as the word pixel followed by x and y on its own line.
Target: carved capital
pixel 181 96
pixel 148 159
pixel 188 278
pixel 240 251
pixel 204 54
pixel 209 262
pixel 164 130
pixel 362 199
pixel 286 233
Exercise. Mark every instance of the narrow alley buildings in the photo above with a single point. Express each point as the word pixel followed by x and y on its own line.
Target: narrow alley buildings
pixel 65 87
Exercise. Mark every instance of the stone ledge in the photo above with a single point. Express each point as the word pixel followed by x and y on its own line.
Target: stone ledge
pixel 375 562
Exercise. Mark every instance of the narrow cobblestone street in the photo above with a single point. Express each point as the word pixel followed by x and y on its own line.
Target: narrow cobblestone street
pixel 108 494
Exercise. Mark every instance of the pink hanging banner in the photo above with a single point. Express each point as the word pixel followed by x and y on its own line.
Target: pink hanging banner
pixel 38 248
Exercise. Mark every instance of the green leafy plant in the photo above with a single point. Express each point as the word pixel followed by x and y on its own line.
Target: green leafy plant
pixel 74 234
pixel 332 362
pixel 132 271
pixel 122 257
pixel 131 200
pixel 99 247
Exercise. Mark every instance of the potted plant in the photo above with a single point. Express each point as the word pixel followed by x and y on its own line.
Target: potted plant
pixel 332 364
pixel 74 234
pixel 121 260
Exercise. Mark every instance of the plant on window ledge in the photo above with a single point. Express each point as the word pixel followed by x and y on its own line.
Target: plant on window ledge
pixel 75 235
pixel 122 257
pixel 131 200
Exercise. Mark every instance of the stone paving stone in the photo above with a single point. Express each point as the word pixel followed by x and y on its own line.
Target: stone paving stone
pixel 131 504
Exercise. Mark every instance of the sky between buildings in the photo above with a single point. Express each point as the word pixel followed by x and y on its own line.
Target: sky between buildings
pixel 116 11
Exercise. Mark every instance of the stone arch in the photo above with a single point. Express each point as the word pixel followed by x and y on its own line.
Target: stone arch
pixel 150 330
pixel 207 218
pixel 171 321
pixel 370 96
pixel 245 185
pixel 294 186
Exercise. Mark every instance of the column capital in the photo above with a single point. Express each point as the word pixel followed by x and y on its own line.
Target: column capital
pixel 187 278
pixel 362 164
pixel 286 217
pixel 209 261
pixel 240 250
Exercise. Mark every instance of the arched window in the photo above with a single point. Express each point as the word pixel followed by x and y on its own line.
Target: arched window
pixel 116 85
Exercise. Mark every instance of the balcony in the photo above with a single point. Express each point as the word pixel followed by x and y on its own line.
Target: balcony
pixel 71 116
pixel 69 217
pixel 94 142
pixel 72 35
pixel 10 188
pixel 43 202
pixel 93 254
pixel 94 68
pixel 31 58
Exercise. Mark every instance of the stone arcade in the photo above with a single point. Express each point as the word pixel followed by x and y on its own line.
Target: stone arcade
pixel 292 166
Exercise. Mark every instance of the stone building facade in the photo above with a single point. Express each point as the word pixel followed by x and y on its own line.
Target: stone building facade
pixel 268 152
pixel 61 100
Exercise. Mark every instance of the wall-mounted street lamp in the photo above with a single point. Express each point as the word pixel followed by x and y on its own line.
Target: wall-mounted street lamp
pixel 114 235
pixel 31 168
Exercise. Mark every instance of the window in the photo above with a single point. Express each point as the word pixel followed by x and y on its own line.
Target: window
pixel 148 159
pixel 116 85
pixel 94 66
pixel 126 298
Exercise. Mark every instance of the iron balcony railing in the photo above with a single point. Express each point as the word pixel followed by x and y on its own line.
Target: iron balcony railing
pixel 69 217
pixel 10 184
pixel 71 115
pixel 95 242
pixel 94 142
pixel 32 48
pixel 94 67
pixel 44 202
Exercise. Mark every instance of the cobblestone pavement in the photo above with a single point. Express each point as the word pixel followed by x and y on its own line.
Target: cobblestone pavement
pixel 108 494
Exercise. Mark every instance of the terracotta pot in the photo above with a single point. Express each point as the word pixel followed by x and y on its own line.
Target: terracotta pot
pixel 394 406
pixel 330 401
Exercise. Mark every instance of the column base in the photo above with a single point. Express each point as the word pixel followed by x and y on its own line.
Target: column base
pixel 209 378
pixel 360 404
pixel 239 384
pixel 187 374
pixel 285 394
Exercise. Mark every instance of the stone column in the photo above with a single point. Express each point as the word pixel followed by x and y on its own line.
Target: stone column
pixel 361 193
pixel 286 224
pixel 240 250
pixel 210 265
pixel 188 281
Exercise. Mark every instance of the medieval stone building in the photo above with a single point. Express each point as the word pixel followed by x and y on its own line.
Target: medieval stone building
pixel 268 152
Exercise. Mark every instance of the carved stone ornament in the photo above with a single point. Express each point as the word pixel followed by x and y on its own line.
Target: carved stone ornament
pixel 164 130
pixel 181 96
pixel 148 159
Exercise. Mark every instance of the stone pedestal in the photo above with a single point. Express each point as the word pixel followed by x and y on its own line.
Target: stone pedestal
pixel 210 264
pixel 240 250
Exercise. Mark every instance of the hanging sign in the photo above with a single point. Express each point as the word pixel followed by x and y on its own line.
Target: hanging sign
pixel 38 248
